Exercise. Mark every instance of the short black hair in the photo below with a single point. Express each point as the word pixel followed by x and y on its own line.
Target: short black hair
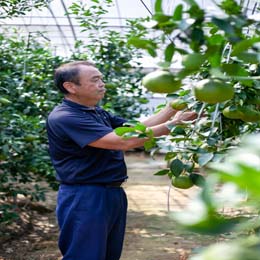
pixel 69 72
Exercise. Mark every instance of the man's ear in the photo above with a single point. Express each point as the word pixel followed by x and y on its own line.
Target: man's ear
pixel 70 87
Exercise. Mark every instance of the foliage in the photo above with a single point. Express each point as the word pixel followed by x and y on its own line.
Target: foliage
pixel 26 96
pixel 237 182
pixel 117 62
pixel 219 48
pixel 12 8
pixel 222 47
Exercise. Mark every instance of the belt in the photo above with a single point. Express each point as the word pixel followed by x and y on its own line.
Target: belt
pixel 116 184
pixel 113 184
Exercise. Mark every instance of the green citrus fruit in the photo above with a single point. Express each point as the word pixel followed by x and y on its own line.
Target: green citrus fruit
pixel 232 112
pixel 213 91
pixel 182 182
pixel 30 138
pixel 250 115
pixel 178 104
pixel 161 81
pixel 193 61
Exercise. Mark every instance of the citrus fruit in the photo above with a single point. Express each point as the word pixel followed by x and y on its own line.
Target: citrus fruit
pixel 232 112
pixel 178 104
pixel 250 115
pixel 193 61
pixel 213 91
pixel 161 81
pixel 182 182
pixel 30 138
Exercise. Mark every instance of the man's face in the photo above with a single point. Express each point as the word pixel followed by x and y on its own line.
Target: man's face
pixel 92 87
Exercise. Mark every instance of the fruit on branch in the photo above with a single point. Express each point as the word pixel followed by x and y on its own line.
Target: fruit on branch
pixel 250 114
pixel 182 182
pixel 213 91
pixel 246 113
pixel 232 112
pixel 161 81
pixel 178 104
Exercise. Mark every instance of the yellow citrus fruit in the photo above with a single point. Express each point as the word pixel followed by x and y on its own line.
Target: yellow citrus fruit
pixel 182 182
pixel 178 104
pixel 232 112
pixel 213 91
pixel 161 81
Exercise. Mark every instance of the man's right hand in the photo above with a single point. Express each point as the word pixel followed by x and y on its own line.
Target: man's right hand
pixel 184 117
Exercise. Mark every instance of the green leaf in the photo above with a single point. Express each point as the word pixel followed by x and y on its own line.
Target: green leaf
pixel 197 179
pixel 177 15
pixel 191 2
pixel 223 25
pixel 204 158
pixel 149 144
pixel 230 7
pixel 249 57
pixel 177 167
pixel 140 127
pixel 169 51
pixel 234 69
pixel 123 130
pixel 141 43
pixel 214 56
pixel 162 19
pixel 162 172
pixel 158 6
pixel 244 45
pixel 169 156
pixel 189 166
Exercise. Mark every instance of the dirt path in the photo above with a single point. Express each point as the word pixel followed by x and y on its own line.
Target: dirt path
pixel 151 233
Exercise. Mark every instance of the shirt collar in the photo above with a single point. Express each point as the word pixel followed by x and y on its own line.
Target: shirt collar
pixel 79 106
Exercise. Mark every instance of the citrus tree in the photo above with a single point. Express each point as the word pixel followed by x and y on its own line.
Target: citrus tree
pixel 117 61
pixel 26 97
pixel 218 78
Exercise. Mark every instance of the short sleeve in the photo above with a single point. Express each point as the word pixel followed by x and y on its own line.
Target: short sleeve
pixel 81 128
pixel 116 121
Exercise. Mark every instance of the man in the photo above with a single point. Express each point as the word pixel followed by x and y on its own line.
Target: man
pixel 88 158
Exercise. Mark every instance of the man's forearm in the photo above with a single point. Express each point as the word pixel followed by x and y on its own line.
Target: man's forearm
pixel 161 117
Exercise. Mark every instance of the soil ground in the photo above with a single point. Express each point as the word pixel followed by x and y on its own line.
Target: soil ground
pixel 151 234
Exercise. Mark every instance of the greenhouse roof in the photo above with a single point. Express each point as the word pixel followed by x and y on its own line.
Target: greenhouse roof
pixel 61 31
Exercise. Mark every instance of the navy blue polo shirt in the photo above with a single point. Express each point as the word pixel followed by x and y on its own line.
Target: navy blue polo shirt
pixel 70 128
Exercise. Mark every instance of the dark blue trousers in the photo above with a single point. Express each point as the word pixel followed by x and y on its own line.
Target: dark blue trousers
pixel 92 221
